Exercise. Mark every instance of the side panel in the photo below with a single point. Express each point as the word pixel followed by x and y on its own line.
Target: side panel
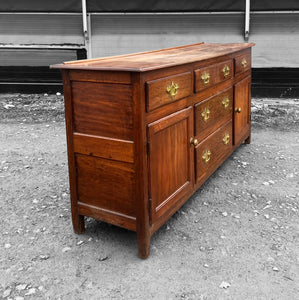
pixel 101 150
pixel 103 109
pixel 106 185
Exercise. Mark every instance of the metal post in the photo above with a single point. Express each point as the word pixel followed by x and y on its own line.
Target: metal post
pixel 89 48
pixel 247 20
pixel 85 27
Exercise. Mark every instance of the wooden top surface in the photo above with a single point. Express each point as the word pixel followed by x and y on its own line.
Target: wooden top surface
pixel 146 61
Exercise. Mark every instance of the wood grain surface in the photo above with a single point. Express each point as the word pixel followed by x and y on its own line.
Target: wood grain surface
pixel 144 132
pixel 170 160
pixel 147 61
pixel 218 113
pixel 156 90
pixel 103 109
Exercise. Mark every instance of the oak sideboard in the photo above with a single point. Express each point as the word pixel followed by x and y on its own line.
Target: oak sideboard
pixel 145 130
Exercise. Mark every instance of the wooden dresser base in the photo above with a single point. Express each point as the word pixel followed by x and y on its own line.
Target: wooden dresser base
pixel 146 130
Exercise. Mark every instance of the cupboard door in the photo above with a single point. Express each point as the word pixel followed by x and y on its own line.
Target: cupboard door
pixel 171 160
pixel 242 110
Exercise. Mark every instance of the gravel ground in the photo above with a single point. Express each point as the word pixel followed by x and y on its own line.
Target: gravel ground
pixel 236 238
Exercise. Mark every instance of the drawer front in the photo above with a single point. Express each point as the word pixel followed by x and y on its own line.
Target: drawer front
pixel 211 152
pixel 212 113
pixel 242 63
pixel 209 76
pixel 167 90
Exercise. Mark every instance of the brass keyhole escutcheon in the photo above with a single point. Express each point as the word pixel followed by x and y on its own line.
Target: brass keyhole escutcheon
pixel 172 89
pixel 225 71
pixel 238 110
pixel 225 139
pixel 205 77
pixel 206 156
pixel 194 142
pixel 225 102
pixel 205 114
pixel 244 63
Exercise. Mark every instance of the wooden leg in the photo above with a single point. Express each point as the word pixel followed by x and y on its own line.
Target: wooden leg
pixel 78 223
pixel 247 141
pixel 143 246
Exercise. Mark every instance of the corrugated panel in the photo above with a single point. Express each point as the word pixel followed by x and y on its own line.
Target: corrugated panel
pixel 122 34
pixel 274 5
pixel 277 40
pixel 41 6
pixel 41 29
pixel 187 6
pixel 35 57
pixel 164 5
pixel 143 5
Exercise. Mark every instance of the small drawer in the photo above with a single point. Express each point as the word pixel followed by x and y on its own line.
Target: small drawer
pixel 211 152
pixel 166 90
pixel 242 63
pixel 212 113
pixel 209 76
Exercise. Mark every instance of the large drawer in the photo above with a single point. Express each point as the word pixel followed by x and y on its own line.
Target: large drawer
pixel 211 152
pixel 168 89
pixel 212 113
pixel 209 76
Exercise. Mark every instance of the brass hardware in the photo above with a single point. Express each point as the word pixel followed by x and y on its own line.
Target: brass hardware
pixel 225 139
pixel 225 102
pixel 205 114
pixel 194 142
pixel 238 110
pixel 225 71
pixel 206 156
pixel 244 63
pixel 172 89
pixel 205 77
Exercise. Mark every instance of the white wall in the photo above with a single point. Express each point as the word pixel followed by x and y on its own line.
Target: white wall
pixel 276 35
pixel 277 40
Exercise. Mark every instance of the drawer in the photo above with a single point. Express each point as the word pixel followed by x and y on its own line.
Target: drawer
pixel 209 76
pixel 212 113
pixel 211 152
pixel 242 63
pixel 166 90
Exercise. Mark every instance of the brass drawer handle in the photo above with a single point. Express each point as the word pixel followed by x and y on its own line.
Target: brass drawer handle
pixel 225 102
pixel 206 156
pixel 238 110
pixel 205 77
pixel 205 114
pixel 225 139
pixel 194 141
pixel 172 89
pixel 225 71
pixel 244 63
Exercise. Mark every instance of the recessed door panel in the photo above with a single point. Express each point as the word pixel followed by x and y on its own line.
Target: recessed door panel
pixel 242 110
pixel 170 160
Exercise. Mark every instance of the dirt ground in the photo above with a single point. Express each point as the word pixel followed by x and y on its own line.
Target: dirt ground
pixel 236 238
